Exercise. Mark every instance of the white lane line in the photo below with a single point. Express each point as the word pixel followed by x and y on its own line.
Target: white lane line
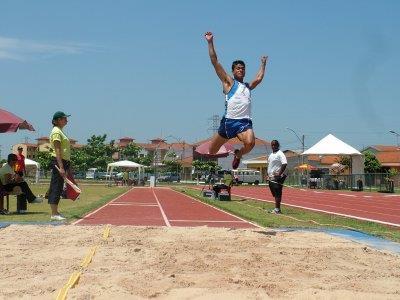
pixel 303 190
pixel 391 196
pixel 324 211
pixel 132 204
pixel 225 212
pixel 209 221
pixel 161 209
pixel 93 212
pixel 319 192
pixel 347 195
pixel 367 196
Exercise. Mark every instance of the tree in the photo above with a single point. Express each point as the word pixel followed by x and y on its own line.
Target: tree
pixel 44 159
pixel 130 152
pixel 172 166
pixel 98 152
pixel 79 159
pixel 205 166
pixel 345 161
pixel 371 163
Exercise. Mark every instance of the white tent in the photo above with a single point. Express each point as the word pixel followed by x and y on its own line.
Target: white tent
pixel 124 164
pixel 28 163
pixel 331 145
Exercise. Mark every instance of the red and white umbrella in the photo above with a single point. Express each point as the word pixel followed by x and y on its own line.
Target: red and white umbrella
pixel 11 123
pixel 224 151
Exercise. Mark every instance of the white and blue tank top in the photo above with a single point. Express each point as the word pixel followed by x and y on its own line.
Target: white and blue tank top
pixel 238 101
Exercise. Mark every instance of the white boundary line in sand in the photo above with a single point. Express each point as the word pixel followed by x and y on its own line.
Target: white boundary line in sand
pixel 324 211
pixel 232 215
pixel 161 209
pixel 95 211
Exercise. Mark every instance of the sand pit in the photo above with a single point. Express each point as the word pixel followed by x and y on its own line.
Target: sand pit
pixel 192 263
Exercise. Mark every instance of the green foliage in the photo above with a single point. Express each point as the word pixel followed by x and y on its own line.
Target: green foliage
pixel 345 161
pixel 97 152
pixel 79 159
pixel 130 152
pixel 392 172
pixel 205 166
pixel 2 161
pixel 172 166
pixel 44 159
pixel 371 163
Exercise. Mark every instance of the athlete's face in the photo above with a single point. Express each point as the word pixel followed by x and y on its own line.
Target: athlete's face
pixel 239 71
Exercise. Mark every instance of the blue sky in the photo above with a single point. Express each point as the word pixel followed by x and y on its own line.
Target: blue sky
pixel 141 69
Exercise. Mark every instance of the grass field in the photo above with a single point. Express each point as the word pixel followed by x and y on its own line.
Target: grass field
pixel 92 197
pixel 256 211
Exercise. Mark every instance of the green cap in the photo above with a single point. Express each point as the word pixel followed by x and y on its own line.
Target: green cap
pixel 60 114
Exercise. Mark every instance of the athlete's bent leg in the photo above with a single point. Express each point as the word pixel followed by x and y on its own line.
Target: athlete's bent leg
pixel 216 143
pixel 248 139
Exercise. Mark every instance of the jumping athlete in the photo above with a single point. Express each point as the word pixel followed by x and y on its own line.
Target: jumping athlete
pixel 237 119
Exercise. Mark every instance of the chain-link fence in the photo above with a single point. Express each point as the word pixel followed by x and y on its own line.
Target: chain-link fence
pixel 356 182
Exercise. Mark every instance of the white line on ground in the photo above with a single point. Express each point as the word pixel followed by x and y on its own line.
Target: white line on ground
pixel 161 209
pixel 132 204
pixel 367 196
pixel 95 211
pixel 319 192
pixel 324 211
pixel 347 195
pixel 209 221
pixel 391 196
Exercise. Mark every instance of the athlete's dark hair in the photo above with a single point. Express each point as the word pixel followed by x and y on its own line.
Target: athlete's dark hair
pixel 238 62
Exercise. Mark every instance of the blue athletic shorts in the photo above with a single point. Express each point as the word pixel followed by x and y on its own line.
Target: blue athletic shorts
pixel 229 128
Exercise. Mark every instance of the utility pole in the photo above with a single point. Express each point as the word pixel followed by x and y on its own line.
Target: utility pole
pixel 214 124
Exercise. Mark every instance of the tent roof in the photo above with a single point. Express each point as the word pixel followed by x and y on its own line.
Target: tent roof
pixel 30 162
pixel 125 164
pixel 331 145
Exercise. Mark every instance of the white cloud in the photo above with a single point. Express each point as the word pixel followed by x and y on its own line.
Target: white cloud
pixel 22 50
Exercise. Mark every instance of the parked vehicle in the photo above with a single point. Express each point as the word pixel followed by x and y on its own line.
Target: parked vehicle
pixel 169 178
pixel 247 176
pixel 92 173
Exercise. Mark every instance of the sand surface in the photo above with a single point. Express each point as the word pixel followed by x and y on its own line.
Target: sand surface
pixel 192 263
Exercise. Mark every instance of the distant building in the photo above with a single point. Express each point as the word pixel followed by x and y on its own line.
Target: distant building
pixel 30 150
pixel 388 156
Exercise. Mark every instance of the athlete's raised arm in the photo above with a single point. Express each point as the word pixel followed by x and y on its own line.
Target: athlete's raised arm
pixel 260 73
pixel 226 80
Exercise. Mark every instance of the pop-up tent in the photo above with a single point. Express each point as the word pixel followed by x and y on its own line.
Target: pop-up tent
pixel 31 163
pixel 124 164
pixel 331 145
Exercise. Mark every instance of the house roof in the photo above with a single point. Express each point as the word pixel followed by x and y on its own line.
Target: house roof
pixel 388 157
pixel 325 159
pixel 385 148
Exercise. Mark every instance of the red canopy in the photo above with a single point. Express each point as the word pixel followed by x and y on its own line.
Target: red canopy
pixel 224 151
pixel 11 123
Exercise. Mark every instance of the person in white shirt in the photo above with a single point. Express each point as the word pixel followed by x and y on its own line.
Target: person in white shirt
pixel 276 166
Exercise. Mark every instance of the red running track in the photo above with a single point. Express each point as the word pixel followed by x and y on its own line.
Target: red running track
pixel 161 207
pixel 375 207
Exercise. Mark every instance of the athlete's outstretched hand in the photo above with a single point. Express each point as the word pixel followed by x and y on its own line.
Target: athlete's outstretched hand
pixel 209 36
pixel 264 59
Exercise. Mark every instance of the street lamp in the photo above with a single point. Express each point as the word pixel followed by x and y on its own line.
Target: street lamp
pixel 397 136
pixel 301 141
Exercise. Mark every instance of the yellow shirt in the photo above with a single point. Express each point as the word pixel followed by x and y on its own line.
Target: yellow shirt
pixel 57 135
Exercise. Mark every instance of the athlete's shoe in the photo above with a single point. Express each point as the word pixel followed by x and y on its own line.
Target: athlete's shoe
pixel 275 211
pixel 236 160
